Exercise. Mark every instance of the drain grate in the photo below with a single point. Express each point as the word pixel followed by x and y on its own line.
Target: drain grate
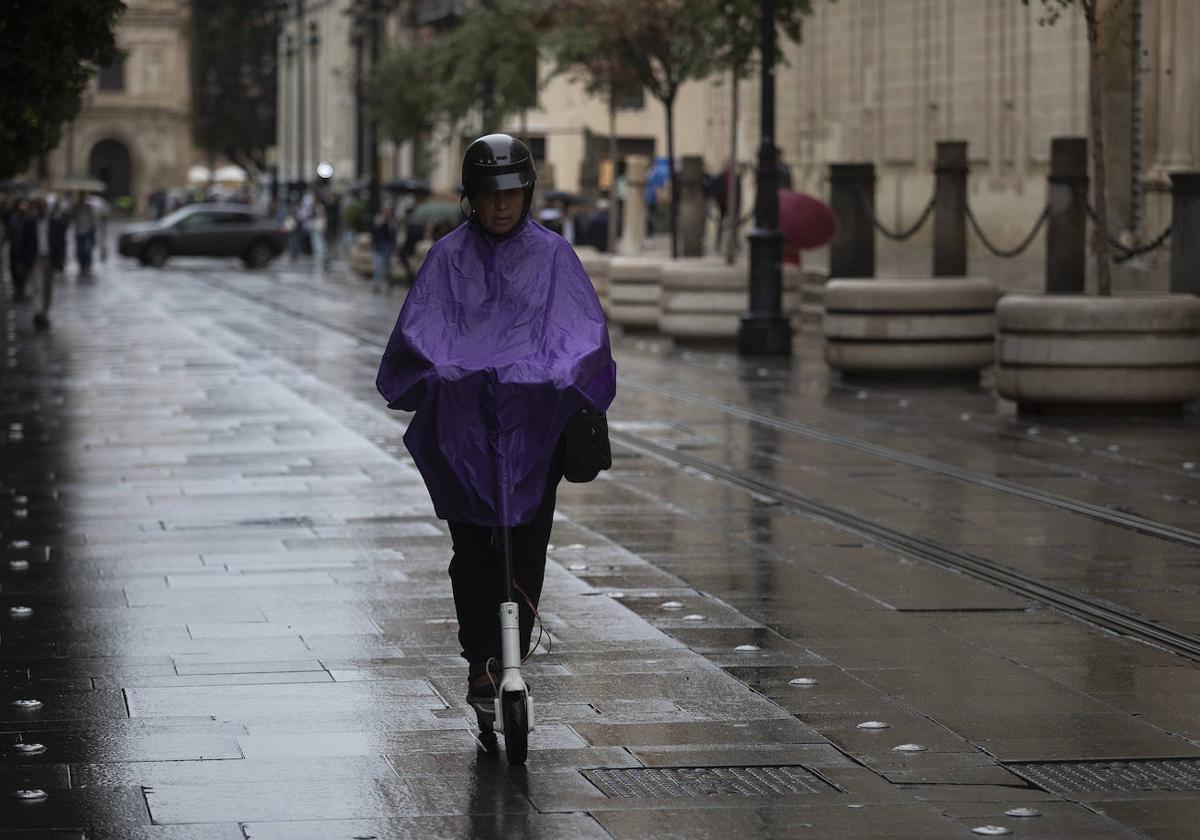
pixel 657 782
pixel 1113 776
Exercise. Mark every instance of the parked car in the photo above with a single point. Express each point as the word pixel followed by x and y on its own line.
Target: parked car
pixel 205 230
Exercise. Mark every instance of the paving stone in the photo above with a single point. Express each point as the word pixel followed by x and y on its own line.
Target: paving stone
pixel 242 556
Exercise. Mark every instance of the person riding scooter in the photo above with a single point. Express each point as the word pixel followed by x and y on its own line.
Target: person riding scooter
pixel 500 341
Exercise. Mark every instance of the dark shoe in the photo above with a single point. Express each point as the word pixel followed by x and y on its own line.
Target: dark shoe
pixel 40 321
pixel 483 682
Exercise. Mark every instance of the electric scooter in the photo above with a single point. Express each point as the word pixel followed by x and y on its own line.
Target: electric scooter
pixel 514 719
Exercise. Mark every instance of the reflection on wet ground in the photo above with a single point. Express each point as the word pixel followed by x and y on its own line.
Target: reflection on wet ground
pixel 225 609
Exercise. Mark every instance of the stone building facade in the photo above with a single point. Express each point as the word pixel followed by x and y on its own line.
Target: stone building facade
pixel 133 131
pixel 882 81
pixel 874 80
pixel 316 115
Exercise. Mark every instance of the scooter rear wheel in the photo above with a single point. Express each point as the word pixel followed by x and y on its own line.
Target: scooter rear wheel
pixel 516 726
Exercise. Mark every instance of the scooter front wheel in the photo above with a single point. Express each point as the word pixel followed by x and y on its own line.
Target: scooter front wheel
pixel 516 726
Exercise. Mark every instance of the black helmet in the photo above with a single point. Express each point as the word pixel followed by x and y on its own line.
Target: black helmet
pixel 497 162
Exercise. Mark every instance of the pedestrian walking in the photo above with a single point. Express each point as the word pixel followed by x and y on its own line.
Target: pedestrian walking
pixel 83 218
pixel 22 246
pixel 383 243
pixel 500 342
pixel 291 229
pixel 6 207
pixel 333 227
pixel 41 258
pixel 316 235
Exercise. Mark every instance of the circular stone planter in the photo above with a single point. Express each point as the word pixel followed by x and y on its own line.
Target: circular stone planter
pixel 924 326
pixel 634 288
pixel 597 264
pixel 705 299
pixel 1069 350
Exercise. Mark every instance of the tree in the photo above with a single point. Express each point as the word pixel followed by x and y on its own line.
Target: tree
pixel 489 62
pixel 402 98
pixel 586 46
pixel 1093 18
pixel 736 44
pixel 234 74
pixel 666 43
pixel 48 52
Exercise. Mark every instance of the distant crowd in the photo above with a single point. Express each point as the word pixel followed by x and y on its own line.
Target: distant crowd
pixel 36 232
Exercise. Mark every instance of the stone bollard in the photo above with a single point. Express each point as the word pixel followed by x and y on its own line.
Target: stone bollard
pixel 633 231
pixel 691 207
pixel 950 211
pixel 852 251
pixel 597 265
pixel 1075 351
pixel 1185 232
pixel 634 289
pixel 1066 227
pixel 943 326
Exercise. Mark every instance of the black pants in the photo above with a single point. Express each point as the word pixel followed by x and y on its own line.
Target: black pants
pixel 477 575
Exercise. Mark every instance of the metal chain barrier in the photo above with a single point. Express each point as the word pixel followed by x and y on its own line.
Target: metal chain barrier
pixel 1124 252
pixel 1129 253
pixel 901 235
pixel 1007 253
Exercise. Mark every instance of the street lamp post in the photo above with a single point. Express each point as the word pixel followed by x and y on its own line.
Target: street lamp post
pixel 301 157
pixel 356 38
pixel 373 123
pixel 289 156
pixel 764 330
pixel 314 44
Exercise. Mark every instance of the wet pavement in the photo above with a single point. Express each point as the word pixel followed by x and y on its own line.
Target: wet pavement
pixel 795 607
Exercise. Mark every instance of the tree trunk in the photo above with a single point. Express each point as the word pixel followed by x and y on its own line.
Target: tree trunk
pixel 732 193
pixel 1100 228
pixel 612 171
pixel 670 106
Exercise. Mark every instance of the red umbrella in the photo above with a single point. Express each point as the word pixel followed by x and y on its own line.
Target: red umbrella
pixel 805 222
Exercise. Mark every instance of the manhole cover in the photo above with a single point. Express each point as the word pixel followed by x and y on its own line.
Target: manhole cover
pixel 1113 776
pixel 655 782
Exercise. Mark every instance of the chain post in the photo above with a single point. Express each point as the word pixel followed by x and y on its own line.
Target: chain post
pixel 1066 227
pixel 852 197
pixel 950 210
pixel 1185 232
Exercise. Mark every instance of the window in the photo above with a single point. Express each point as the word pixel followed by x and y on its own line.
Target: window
pixel 197 221
pixel 112 76
pixel 631 97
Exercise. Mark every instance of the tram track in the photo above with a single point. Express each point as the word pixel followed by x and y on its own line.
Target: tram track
pixel 1094 612
pixel 1097 512
pixel 1097 613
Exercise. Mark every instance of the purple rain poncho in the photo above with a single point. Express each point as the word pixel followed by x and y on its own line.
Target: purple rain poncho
pixel 499 342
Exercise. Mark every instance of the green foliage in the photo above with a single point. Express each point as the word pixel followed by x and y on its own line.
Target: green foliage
pixel 404 95
pixel 48 52
pixel 489 61
pixel 737 40
pixel 234 78
pixel 587 44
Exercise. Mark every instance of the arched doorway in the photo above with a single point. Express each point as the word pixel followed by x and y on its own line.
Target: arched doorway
pixel 109 161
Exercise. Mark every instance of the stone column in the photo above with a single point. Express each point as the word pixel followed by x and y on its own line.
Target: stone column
pixel 852 198
pixel 1185 232
pixel 633 231
pixel 950 212
pixel 1066 228
pixel 1181 142
pixel 691 207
